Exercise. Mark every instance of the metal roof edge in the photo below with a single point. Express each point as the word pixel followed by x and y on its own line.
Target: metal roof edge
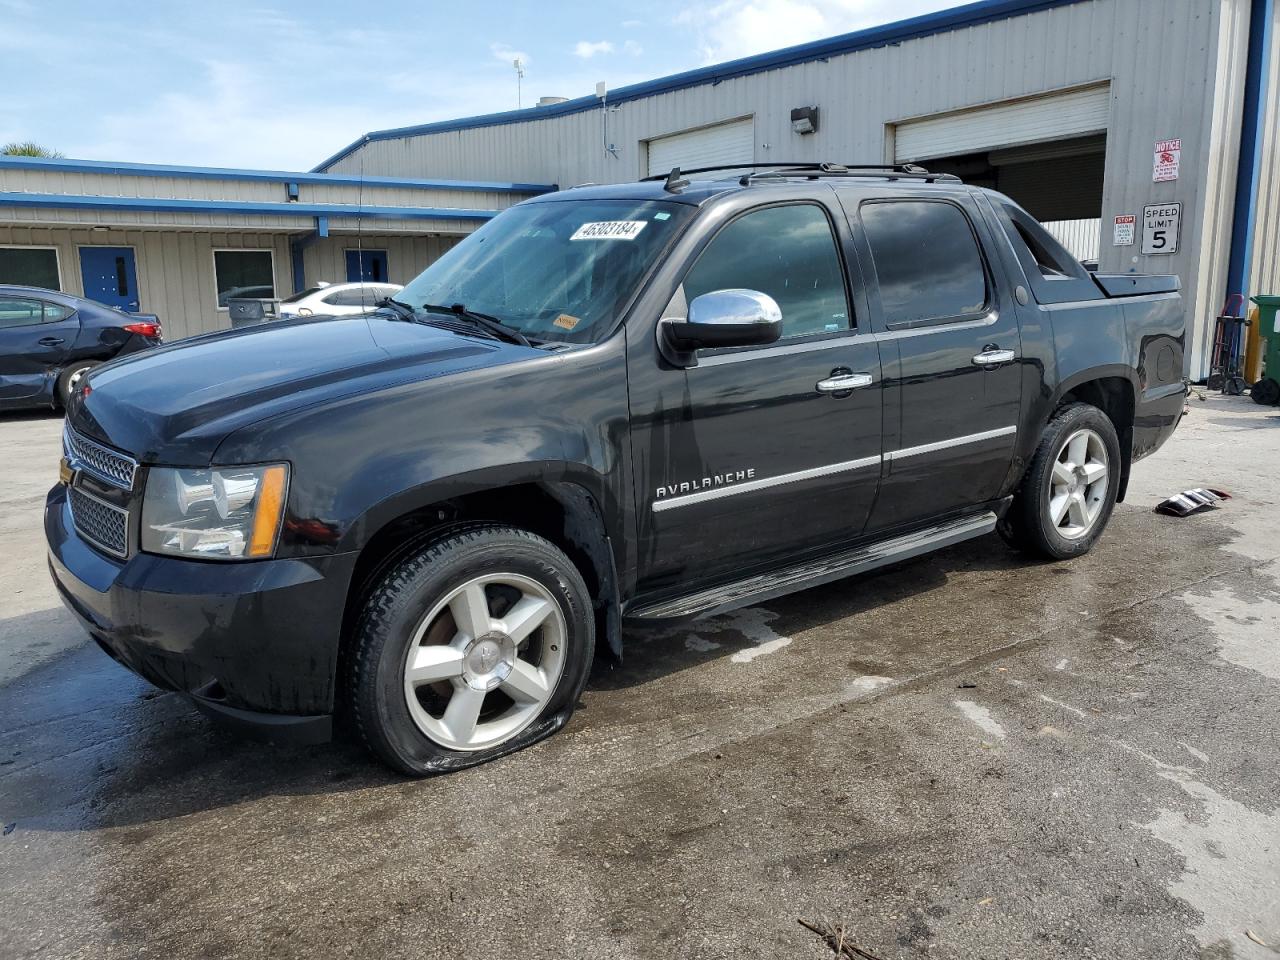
pixel 942 21
pixel 52 164
pixel 239 207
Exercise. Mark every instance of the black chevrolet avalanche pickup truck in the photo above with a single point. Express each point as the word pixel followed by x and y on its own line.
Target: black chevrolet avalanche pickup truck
pixel 646 401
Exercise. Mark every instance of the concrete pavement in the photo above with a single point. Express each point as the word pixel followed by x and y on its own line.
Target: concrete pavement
pixel 967 756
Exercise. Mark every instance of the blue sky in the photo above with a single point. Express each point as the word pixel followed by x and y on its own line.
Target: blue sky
pixel 284 85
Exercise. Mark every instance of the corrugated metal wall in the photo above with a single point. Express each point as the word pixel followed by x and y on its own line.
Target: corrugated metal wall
pixel 175 268
pixel 1176 69
pixel 1264 275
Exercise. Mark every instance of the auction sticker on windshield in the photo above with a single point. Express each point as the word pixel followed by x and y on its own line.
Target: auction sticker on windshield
pixel 609 230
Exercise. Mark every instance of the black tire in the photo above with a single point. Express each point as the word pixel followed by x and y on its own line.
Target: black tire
pixel 1266 392
pixel 1027 525
pixel 408 592
pixel 69 379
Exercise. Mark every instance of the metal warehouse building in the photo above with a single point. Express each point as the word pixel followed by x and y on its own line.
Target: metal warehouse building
pixel 1144 132
pixel 181 241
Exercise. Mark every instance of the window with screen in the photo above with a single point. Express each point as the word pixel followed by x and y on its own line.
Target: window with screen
pixel 29 267
pixel 927 261
pixel 787 252
pixel 243 273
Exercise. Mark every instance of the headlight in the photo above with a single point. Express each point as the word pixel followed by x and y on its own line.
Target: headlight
pixel 227 513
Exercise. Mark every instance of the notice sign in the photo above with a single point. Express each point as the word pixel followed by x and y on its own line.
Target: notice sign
pixel 1167 157
pixel 1126 227
pixel 1160 227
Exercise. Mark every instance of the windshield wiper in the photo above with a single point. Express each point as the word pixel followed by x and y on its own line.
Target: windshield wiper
pixel 403 310
pixel 491 324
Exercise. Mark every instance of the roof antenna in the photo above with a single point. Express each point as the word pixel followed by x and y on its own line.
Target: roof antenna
pixel 674 181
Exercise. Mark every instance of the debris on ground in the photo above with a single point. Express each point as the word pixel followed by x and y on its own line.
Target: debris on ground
pixel 836 939
pixel 1189 501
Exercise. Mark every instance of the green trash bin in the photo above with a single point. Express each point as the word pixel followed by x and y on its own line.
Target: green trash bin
pixel 1267 390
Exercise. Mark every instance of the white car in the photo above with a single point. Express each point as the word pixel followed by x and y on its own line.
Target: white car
pixel 336 299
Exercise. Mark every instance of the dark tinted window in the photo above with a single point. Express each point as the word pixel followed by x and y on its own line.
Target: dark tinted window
pixel 788 253
pixel 301 294
pixel 29 267
pixel 20 312
pixel 243 273
pixel 926 259
pixel 355 297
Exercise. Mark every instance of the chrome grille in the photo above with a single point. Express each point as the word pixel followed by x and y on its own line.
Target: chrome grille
pixel 103 525
pixel 104 463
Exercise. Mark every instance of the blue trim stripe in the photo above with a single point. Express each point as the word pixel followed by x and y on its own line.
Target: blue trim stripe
pixel 969 15
pixel 240 207
pixel 1249 169
pixel 60 165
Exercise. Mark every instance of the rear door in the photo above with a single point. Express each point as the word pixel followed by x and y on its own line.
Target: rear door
pixel 749 457
pixel 35 337
pixel 951 350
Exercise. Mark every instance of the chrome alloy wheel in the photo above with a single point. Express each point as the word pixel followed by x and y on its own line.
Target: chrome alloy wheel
pixel 484 661
pixel 1078 484
pixel 73 382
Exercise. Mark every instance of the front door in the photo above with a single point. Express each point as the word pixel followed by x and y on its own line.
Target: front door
pixel 753 456
pixel 34 339
pixel 110 276
pixel 952 356
pixel 366 266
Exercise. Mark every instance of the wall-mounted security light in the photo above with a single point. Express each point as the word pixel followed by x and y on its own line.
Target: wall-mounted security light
pixel 804 120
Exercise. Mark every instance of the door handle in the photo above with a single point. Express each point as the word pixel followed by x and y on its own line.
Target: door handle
pixel 993 356
pixel 49 341
pixel 841 382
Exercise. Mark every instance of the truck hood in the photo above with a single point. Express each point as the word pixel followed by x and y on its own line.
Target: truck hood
pixel 176 403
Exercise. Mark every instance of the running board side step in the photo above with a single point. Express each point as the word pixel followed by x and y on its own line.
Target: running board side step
pixel 811 573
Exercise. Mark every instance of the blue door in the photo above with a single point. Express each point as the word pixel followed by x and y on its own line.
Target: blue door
pixel 366 266
pixel 110 276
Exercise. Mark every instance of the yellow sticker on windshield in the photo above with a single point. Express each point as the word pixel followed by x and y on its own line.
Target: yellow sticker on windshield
pixel 566 322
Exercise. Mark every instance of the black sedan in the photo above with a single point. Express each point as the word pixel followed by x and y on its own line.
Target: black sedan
pixel 50 340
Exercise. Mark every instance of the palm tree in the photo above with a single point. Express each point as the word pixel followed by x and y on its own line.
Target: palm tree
pixel 27 148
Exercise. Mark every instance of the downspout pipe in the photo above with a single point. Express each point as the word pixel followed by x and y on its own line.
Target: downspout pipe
pixel 1249 170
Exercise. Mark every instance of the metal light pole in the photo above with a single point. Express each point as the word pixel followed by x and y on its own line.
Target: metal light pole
pixel 519 65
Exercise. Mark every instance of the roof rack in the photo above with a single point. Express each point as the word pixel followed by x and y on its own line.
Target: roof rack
pixel 677 178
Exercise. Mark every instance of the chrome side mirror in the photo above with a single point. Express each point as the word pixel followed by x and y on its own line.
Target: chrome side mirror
pixel 722 318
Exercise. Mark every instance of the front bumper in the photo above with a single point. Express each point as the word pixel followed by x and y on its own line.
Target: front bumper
pixel 253 643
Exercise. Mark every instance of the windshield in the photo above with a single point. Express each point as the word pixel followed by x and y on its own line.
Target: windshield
pixel 554 271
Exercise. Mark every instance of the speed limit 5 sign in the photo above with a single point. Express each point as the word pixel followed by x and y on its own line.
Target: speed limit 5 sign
pixel 1160 227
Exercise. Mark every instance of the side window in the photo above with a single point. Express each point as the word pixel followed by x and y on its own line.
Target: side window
pixel 53 312
pixel 787 252
pixel 926 259
pixel 1054 274
pixel 20 312
pixel 342 298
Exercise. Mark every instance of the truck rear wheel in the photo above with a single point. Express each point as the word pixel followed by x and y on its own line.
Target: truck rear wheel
pixel 1069 491
pixel 477 645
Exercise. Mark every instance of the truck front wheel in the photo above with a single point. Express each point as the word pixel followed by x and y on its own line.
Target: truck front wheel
pixel 1069 491
pixel 476 646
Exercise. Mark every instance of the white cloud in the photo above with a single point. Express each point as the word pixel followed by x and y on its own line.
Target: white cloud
pixel 508 54
pixel 632 48
pixel 738 28
pixel 586 49
pixel 631 24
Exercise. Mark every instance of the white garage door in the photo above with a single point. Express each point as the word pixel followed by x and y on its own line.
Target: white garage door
pixel 1071 114
pixel 725 143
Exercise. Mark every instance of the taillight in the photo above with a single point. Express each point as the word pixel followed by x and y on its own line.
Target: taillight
pixel 144 329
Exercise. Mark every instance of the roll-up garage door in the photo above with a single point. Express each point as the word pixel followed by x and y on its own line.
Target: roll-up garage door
pixel 725 143
pixel 1071 114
